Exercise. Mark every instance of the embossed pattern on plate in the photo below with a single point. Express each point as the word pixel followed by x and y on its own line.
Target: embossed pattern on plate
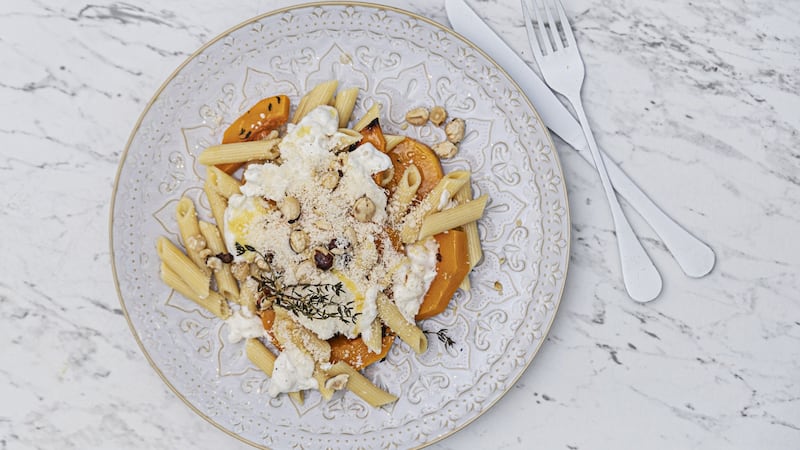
pixel 401 61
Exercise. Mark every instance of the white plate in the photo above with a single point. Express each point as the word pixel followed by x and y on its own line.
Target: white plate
pixel 402 61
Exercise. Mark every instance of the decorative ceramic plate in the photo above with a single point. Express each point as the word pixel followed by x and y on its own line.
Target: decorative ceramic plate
pixel 401 61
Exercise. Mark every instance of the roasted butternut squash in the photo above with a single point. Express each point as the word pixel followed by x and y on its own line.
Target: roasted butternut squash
pixel 451 268
pixel 355 352
pixel 265 116
pixel 410 151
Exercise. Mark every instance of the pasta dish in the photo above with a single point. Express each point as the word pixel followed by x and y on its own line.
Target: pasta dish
pixel 330 241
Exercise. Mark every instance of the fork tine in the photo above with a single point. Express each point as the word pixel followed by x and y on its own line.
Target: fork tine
pixel 535 45
pixel 544 39
pixel 553 26
pixel 565 24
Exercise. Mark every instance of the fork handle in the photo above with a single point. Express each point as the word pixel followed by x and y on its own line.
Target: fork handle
pixel 642 280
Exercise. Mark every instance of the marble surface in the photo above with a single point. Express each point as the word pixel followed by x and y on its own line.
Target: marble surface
pixel 698 101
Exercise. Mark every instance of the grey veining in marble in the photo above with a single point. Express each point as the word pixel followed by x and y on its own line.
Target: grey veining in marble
pixel 698 101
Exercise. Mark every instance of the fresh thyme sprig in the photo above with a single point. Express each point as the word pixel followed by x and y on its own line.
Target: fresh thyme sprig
pixel 315 301
pixel 443 337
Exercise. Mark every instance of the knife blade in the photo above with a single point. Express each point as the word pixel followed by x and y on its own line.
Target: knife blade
pixel 695 257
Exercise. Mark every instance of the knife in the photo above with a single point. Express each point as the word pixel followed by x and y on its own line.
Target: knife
pixel 695 258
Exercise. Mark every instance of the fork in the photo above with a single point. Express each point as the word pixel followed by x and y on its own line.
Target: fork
pixel 562 68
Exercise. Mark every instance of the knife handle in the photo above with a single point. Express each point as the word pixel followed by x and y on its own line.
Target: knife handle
pixel 695 257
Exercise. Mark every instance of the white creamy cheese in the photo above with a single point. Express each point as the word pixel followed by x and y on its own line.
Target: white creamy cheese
pixel 357 179
pixel 414 277
pixel 243 325
pixel 293 371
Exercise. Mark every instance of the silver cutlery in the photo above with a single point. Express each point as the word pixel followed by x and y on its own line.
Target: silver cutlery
pixel 695 258
pixel 562 68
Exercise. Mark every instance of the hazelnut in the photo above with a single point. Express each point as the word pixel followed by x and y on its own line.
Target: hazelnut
pixel 214 263
pixel 329 180
pixel 455 130
pixel 438 115
pixel 445 149
pixel 417 116
pixel 240 270
pixel 196 242
pixel 323 259
pixel 298 240
pixel 363 209
pixel 290 208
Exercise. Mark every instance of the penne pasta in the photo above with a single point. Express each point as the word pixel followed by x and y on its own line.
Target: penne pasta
pixel 435 200
pixel 226 284
pixel 360 385
pixel 213 303
pixel 344 104
pixel 474 251
pixel 392 140
pixel 373 340
pixel 408 332
pixel 240 152
pixel 197 280
pixel 260 355
pixel 186 216
pixel 407 187
pixel 217 203
pixel 224 184
pixel 372 113
pixel 453 217
pixel 321 94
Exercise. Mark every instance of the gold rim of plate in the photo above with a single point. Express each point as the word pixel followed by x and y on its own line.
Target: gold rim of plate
pixel 170 78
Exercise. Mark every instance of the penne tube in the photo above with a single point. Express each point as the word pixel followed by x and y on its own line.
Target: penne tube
pixel 225 184
pixel 453 217
pixel 186 216
pixel 197 280
pixel 408 185
pixel 298 397
pixel 360 385
pixel 226 284
pixel 321 94
pixel 392 140
pixel 435 200
pixel 218 204
pixel 344 104
pixel 260 355
pixel 474 250
pixel 408 332
pixel 240 152
pixel 214 302
pixel 372 113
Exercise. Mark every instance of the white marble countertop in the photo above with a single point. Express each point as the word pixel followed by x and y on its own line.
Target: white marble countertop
pixel 698 101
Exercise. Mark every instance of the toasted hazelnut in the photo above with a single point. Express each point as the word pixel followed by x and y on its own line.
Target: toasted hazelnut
pixel 445 149
pixel 298 240
pixel 323 258
pixel 214 263
pixel 205 253
pixel 455 130
pixel 363 209
pixel 196 242
pixel 438 115
pixel 417 116
pixel 329 180
pixel 290 208
pixel 240 270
